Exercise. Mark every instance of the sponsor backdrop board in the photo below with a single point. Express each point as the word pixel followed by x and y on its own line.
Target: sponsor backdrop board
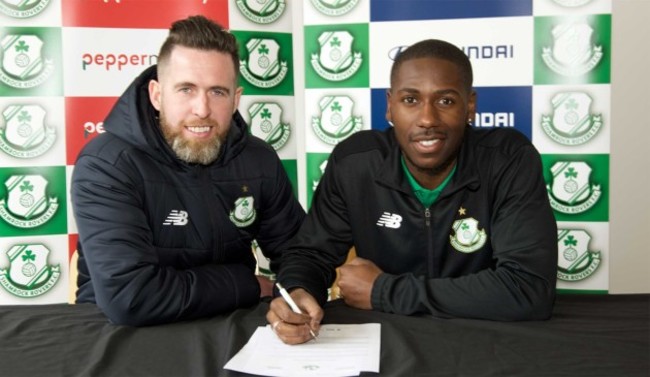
pixel 313 73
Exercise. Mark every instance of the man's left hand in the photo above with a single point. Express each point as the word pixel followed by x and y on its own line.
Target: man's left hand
pixel 356 281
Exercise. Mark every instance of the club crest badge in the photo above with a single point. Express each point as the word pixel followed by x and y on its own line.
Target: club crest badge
pixel 336 61
pixel 572 53
pixel 336 121
pixel 261 11
pixel 27 205
pixel 571 123
pixel 22 64
pixel 334 7
pixel 28 274
pixel 571 192
pixel 24 134
pixel 575 260
pixel 22 8
pixel 244 213
pixel 263 68
pixel 467 236
pixel 266 123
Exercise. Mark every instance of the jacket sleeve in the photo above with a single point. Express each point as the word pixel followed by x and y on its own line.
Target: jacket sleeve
pixel 131 287
pixel 321 244
pixel 282 216
pixel 521 286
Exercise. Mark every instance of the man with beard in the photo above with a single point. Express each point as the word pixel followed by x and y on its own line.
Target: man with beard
pixel 169 199
pixel 446 220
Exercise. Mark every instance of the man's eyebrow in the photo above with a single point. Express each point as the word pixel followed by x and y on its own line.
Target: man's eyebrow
pixel 184 84
pixel 438 92
pixel 448 91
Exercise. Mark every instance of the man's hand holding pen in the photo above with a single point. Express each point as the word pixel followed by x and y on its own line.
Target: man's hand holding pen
pixel 295 326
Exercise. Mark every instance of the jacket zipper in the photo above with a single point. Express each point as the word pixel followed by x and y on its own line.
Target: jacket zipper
pixel 430 259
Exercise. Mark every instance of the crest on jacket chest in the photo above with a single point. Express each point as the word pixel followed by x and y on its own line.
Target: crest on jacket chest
pixel 243 214
pixel 467 237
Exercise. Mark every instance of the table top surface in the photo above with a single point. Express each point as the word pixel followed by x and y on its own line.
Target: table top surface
pixel 588 335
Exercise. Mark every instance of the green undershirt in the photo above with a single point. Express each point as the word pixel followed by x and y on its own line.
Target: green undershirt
pixel 425 196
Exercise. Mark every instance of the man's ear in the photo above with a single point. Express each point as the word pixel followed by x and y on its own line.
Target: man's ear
pixel 472 104
pixel 238 93
pixel 389 117
pixel 154 94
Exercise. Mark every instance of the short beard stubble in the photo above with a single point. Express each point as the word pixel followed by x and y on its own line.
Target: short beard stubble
pixel 202 152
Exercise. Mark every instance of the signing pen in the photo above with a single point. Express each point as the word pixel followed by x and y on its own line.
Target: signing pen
pixel 292 304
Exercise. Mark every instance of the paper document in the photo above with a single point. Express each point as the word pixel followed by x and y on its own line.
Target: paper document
pixel 340 350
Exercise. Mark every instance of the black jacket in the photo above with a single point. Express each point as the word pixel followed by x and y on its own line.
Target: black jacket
pixel 157 236
pixel 435 260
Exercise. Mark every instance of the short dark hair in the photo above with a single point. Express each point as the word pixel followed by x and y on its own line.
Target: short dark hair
pixel 439 49
pixel 200 33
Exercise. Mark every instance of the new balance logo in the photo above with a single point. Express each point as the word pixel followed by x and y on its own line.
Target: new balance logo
pixel 176 217
pixel 390 220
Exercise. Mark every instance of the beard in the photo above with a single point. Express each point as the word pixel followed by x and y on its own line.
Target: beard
pixel 204 151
